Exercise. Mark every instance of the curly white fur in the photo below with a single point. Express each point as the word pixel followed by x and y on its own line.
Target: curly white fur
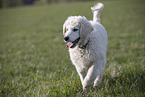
pixel 89 56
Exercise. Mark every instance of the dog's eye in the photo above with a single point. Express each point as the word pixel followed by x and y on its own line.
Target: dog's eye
pixel 75 29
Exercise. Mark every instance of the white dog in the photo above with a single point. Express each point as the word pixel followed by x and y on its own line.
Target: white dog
pixel 87 43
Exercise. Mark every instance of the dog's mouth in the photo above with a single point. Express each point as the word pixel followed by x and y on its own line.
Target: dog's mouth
pixel 72 44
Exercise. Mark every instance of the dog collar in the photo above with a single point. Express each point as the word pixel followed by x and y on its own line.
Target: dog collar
pixel 84 46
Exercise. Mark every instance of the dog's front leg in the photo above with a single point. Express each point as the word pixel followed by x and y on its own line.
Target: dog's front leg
pixel 82 73
pixel 98 80
pixel 92 73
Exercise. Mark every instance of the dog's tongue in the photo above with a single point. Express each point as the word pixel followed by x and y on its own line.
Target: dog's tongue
pixel 69 44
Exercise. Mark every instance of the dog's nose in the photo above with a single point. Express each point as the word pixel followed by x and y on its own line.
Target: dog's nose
pixel 66 38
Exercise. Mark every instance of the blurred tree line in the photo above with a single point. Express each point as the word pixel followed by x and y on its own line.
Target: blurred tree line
pixel 13 3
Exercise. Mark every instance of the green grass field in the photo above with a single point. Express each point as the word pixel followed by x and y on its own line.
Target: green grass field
pixel 34 61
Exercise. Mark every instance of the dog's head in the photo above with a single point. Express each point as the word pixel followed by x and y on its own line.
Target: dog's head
pixel 75 31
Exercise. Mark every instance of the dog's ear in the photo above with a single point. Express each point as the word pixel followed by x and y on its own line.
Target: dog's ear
pixel 85 29
pixel 64 29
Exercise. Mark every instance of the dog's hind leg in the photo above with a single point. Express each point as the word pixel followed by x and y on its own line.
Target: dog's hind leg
pixel 96 11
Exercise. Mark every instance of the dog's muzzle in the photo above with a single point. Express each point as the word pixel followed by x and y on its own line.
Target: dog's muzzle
pixel 71 44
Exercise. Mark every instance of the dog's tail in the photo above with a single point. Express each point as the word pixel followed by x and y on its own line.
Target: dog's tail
pixel 96 11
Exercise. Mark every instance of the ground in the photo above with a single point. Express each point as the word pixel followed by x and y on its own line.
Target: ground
pixel 35 62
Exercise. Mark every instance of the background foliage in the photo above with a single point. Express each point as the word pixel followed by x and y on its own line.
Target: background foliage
pixel 35 62
pixel 14 3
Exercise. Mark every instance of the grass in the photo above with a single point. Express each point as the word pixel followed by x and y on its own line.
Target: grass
pixel 35 62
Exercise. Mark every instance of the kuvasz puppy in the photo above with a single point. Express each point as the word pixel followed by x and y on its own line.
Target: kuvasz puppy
pixel 87 42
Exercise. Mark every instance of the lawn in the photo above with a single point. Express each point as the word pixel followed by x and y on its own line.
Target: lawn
pixel 35 62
